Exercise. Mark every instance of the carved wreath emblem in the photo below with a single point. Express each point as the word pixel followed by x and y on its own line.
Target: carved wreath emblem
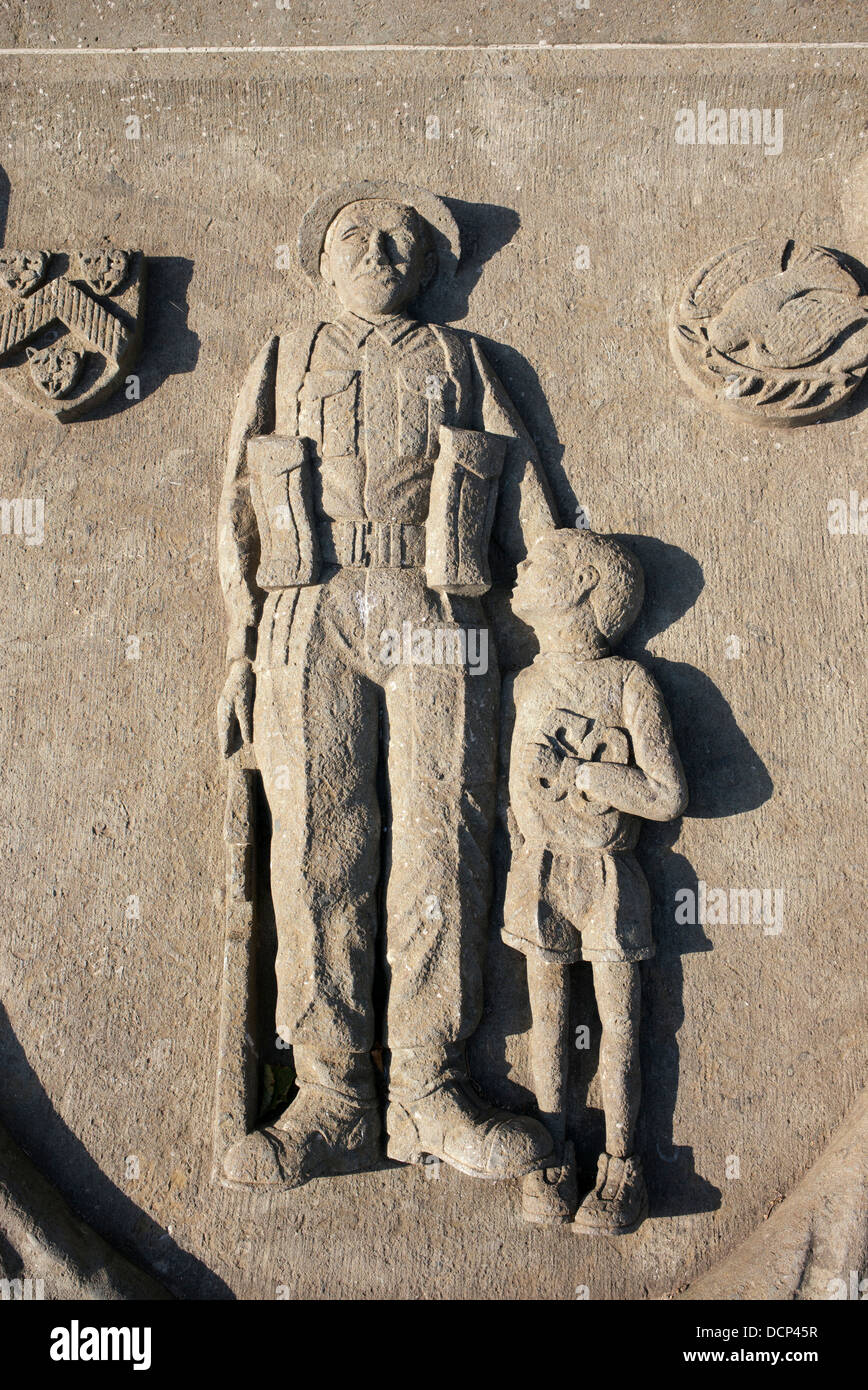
pixel 773 333
pixel 70 326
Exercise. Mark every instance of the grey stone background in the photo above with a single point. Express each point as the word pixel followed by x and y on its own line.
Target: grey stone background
pixel 111 785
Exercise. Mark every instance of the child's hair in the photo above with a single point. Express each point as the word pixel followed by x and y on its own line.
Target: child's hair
pixel 617 596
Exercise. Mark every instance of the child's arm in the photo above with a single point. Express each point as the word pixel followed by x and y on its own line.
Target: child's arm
pixel 654 786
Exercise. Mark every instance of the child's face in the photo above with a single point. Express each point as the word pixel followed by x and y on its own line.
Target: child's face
pixel 538 597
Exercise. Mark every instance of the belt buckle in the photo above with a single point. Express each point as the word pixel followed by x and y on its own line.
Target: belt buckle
pixel 361 543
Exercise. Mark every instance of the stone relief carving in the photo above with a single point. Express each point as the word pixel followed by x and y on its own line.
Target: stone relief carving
pixel 524 114
pixel 590 753
pixel 372 457
pixel 70 326
pixel 772 332
pixel 380 481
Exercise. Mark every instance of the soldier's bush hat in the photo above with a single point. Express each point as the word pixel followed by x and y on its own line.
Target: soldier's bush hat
pixel 433 210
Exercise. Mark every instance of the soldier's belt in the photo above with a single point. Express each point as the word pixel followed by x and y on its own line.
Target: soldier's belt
pixel 452 546
pixel 372 544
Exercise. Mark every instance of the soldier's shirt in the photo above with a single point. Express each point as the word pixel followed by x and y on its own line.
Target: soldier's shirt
pixel 371 402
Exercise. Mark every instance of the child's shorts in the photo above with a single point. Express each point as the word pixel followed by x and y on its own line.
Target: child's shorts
pixel 593 906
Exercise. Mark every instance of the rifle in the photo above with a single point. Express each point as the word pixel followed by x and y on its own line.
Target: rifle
pixel 236 1098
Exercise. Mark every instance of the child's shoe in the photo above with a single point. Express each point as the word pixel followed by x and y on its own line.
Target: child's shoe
pixel 618 1203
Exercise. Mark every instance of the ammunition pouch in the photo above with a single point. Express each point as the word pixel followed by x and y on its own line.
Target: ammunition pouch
pixel 281 491
pixel 461 511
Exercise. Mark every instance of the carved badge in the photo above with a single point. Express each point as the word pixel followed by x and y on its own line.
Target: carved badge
pixel 70 326
pixel 773 333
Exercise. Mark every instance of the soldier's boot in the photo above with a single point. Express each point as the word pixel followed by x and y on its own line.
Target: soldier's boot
pixel 332 1126
pixel 436 1111
pixel 618 1203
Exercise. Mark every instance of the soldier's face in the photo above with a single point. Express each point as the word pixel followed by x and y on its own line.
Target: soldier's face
pixel 374 257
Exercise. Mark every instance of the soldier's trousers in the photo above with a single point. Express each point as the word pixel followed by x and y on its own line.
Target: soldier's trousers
pixel 380 777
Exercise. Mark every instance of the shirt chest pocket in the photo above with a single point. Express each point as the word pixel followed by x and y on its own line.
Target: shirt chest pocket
pixel 426 400
pixel 328 412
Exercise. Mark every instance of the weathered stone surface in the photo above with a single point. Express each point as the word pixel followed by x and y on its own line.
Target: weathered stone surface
pixel 581 219
pixel 70 327
pixel 590 754
pixel 815 1244
pixel 378 750
pixel 91 24
pixel 45 1252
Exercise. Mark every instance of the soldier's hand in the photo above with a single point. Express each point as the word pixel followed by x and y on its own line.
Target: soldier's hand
pixel 235 706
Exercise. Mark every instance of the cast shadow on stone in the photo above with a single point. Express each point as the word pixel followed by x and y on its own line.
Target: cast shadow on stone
pixel 725 777
pixel 485 229
pixel 269 1051
pixel 169 347
pixel 524 388
pixel 62 1158
pixel 5 188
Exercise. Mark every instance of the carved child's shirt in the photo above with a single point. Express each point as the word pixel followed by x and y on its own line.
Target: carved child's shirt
pixel 575 891
pixel 567 709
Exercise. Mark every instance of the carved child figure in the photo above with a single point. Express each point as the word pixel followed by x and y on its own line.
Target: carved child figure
pixel 591 753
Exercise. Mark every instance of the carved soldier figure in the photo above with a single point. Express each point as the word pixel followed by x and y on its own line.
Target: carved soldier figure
pixel 592 754
pixel 372 460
